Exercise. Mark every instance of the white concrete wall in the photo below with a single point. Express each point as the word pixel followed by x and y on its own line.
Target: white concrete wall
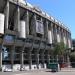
pixel 2 17
pixel 26 67
pixel 65 40
pixel 58 38
pixel 16 67
pixel 6 68
pixel 22 29
pixel 69 43
pixel 33 67
pixel 50 37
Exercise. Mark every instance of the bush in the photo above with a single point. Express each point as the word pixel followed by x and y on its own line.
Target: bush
pixel 72 59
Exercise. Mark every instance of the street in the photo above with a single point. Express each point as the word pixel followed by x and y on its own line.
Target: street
pixel 41 72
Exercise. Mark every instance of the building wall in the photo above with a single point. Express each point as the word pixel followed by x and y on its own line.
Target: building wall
pixel 40 31
pixel 73 44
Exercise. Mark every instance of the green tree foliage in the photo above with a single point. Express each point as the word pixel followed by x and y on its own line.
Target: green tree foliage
pixel 72 59
pixel 59 48
pixel 72 55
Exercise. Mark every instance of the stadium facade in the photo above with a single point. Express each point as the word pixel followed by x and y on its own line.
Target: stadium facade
pixel 73 45
pixel 28 35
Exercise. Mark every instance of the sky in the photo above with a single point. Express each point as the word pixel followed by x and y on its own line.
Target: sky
pixel 63 10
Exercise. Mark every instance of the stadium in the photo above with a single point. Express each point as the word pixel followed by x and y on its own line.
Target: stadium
pixel 28 35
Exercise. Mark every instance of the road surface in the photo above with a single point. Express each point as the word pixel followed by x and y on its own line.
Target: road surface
pixel 41 72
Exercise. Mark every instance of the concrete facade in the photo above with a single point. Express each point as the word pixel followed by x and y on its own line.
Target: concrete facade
pixel 73 44
pixel 32 52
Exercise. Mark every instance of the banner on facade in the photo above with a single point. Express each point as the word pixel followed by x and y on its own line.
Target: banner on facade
pixel 9 39
pixel 39 27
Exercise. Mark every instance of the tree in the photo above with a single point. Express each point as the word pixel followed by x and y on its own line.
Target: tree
pixel 59 48
pixel 72 59
pixel 59 51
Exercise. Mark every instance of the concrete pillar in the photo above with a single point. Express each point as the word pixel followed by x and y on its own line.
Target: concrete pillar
pixel 17 19
pixel 42 59
pixel 34 25
pixel 30 60
pixel 0 59
pixel 58 34
pixel 70 39
pixel 48 58
pixel 27 22
pixel 12 56
pixel 43 35
pixel 46 30
pixel 62 35
pixel 68 60
pixel 22 60
pixel 6 12
pixel 37 59
pixel 55 33
pixel 57 58
pixel 67 38
pixel 52 32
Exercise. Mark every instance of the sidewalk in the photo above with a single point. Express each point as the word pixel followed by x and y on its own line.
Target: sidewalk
pixel 68 69
pixel 64 71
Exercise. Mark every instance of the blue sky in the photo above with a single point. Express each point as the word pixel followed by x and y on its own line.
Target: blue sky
pixel 63 10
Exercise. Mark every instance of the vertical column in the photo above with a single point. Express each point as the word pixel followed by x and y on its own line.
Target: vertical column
pixel 57 58
pixel 34 25
pixel 52 32
pixel 66 38
pixel 55 33
pixel 6 12
pixel 0 59
pixel 62 34
pixel 46 30
pixel 42 56
pixel 43 35
pixel 27 22
pixel 17 19
pixel 68 46
pixel 48 57
pixel 58 34
pixel 22 60
pixel 30 59
pixel 61 31
pixel 37 59
pixel 12 56
pixel 70 40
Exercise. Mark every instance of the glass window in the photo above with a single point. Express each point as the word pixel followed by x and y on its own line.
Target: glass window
pixel 5 53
